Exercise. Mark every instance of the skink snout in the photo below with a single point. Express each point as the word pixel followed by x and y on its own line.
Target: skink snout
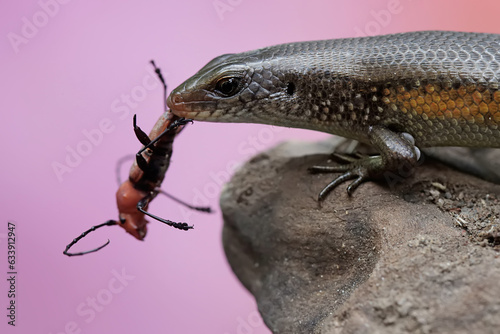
pixel 191 102
pixel 175 101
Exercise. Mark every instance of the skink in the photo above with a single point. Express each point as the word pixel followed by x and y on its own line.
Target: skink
pixel 397 92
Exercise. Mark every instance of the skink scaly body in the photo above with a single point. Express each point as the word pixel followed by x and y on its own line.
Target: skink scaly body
pixel 395 92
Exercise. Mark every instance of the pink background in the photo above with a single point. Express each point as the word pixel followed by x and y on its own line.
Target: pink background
pixel 70 75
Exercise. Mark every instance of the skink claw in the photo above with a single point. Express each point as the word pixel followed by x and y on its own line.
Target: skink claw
pixel 398 152
pixel 358 169
pixel 344 177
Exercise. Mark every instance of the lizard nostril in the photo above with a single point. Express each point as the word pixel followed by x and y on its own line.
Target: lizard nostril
pixel 177 99
pixel 174 100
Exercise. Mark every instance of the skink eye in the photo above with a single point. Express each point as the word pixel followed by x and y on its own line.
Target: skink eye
pixel 227 86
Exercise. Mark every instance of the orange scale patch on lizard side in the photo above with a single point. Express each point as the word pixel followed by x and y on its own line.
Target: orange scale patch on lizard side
pixel 496 96
pixel 496 117
pixel 483 108
pixel 479 119
pixel 493 107
pixel 474 109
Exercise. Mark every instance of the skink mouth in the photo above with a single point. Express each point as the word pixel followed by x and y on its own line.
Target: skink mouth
pixel 198 110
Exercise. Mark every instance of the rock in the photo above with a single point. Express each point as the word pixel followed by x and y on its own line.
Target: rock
pixel 403 255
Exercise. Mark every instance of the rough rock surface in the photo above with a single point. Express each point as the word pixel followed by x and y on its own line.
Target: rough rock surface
pixel 418 254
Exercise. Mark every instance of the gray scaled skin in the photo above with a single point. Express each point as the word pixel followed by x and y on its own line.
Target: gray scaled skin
pixel 397 93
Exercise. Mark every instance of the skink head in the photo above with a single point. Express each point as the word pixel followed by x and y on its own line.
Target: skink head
pixel 230 88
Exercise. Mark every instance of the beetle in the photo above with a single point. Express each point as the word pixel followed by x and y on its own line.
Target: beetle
pixel 145 178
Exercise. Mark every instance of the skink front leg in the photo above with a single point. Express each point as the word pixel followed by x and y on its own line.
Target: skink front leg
pixel 396 150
